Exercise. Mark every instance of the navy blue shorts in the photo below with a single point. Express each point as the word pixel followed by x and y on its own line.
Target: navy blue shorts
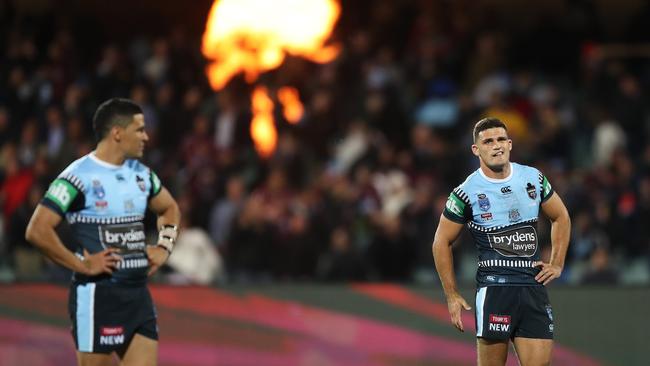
pixel 105 318
pixel 506 312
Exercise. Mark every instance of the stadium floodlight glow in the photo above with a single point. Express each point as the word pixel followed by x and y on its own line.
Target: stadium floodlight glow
pixel 255 36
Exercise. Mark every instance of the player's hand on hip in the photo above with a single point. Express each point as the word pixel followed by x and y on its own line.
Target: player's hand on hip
pixel 548 272
pixel 456 304
pixel 157 256
pixel 100 262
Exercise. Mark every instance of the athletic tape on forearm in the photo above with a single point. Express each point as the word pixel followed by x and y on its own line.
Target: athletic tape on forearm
pixel 167 237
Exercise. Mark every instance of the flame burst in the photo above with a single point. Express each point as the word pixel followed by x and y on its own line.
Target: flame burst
pixel 254 36
pixel 262 129
pixel 291 105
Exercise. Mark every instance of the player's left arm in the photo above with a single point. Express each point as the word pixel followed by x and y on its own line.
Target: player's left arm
pixel 169 217
pixel 557 213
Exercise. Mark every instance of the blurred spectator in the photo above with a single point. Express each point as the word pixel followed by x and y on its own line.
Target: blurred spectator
pixel 226 210
pixel 15 187
pixel 26 260
pixel 600 271
pixel 608 137
pixel 196 260
pixel 55 131
pixel 341 261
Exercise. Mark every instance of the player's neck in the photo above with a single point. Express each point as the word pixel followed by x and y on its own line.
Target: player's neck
pixel 496 174
pixel 109 154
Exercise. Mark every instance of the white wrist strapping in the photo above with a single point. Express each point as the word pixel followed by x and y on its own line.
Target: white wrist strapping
pixel 167 236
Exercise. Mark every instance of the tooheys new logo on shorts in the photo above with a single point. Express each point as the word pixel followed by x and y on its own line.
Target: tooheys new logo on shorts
pixel 519 242
pixel 123 236
pixel 111 335
pixel 499 323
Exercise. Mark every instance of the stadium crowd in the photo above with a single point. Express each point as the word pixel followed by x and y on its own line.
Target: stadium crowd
pixel 353 191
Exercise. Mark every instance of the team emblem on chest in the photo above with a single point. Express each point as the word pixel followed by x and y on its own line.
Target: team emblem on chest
pixel 129 206
pixel 532 191
pixel 99 193
pixel 483 202
pixel 98 189
pixel 141 183
pixel 514 215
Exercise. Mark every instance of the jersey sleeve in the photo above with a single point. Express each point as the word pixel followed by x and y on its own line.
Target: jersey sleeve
pixel 458 208
pixel 156 186
pixel 64 195
pixel 546 190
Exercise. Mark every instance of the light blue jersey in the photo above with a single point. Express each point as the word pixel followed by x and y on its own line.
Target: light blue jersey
pixel 501 215
pixel 105 206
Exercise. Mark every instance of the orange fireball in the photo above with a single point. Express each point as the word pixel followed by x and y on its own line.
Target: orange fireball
pixel 253 36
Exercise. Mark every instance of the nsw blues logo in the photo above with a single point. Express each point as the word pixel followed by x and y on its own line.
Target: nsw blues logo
pixel 129 206
pixel 483 202
pixel 141 183
pixel 98 189
pixel 514 215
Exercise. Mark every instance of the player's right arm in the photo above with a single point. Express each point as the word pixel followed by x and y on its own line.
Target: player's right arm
pixel 61 197
pixel 457 212
pixel 41 232
pixel 447 232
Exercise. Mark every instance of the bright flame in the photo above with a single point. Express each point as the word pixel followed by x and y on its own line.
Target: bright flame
pixel 253 36
pixel 291 105
pixel 262 127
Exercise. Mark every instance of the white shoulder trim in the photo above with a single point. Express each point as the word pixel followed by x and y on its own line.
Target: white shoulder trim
pixel 74 180
pixel 495 180
pixel 103 163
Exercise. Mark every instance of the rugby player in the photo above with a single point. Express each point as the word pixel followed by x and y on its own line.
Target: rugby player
pixel 500 204
pixel 103 196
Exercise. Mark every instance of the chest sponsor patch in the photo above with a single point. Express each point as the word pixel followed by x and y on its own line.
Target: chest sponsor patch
pixel 519 242
pixel 126 237
pixel 486 216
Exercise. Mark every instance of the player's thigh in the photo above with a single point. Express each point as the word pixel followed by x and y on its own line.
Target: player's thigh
pixel 533 351
pixel 142 351
pixel 94 359
pixel 491 352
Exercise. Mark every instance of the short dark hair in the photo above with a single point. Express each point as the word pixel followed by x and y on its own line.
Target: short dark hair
pixel 115 111
pixel 487 123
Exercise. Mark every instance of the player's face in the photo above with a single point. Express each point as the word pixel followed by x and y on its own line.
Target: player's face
pixel 493 147
pixel 134 137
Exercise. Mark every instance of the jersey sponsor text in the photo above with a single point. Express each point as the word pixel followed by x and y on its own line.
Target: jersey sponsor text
pixel 520 242
pixel 124 236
